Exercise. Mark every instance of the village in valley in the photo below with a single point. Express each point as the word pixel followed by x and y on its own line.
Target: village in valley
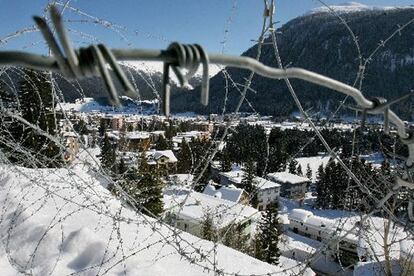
pixel 256 189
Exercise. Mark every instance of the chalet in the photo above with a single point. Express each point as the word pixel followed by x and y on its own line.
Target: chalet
pixel 292 186
pixel 188 210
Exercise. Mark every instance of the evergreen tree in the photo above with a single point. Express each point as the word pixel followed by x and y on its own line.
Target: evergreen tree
pixel 162 143
pixel 292 166
pixel 108 154
pixel 235 238
pixel 267 238
pixel 321 189
pixel 207 226
pixel 37 106
pixel 185 159
pixel 299 170
pixel 308 172
pixel 150 186
pixel 225 161
pixel 248 177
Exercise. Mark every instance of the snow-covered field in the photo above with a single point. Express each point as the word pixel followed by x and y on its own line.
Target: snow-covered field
pixel 64 222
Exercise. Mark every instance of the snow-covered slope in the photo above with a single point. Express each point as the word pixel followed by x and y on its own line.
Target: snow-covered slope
pixel 354 7
pixel 153 68
pixel 60 221
pixel 129 106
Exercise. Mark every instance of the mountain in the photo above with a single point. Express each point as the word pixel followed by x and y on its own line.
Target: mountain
pixel 145 76
pixel 319 42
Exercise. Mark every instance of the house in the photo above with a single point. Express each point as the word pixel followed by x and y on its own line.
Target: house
pixel 187 210
pixel 115 122
pixel 164 158
pixel 268 191
pixel 292 186
pixel 231 178
pixel 137 141
pixel 305 223
pixel 230 193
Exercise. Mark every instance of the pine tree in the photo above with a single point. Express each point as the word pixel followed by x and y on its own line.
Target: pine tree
pixel 308 172
pixel 234 237
pixel 184 157
pixel 162 144
pixel 321 188
pixel 150 186
pixel 292 166
pixel 207 226
pixel 249 176
pixel 225 161
pixel 108 154
pixel 299 170
pixel 267 238
pixel 37 106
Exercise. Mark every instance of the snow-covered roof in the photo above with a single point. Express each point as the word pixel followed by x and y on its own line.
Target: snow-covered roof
pixel 300 214
pixel 286 177
pixel 157 154
pixel 137 135
pixel 264 184
pixel 235 176
pixel 198 205
pixel 228 193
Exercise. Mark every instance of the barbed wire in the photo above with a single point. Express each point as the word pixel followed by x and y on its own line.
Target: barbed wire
pixel 187 249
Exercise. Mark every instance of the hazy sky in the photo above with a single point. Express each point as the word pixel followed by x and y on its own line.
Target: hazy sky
pixel 155 23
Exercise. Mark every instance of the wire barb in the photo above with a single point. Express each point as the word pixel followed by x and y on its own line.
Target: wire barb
pixel 87 62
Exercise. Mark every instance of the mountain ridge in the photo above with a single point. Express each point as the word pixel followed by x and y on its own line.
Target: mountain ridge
pixel 319 42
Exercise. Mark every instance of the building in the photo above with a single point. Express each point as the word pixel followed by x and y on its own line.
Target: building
pixel 70 140
pixel 230 193
pixel 187 210
pixel 136 141
pixel 292 186
pixel 268 191
pixel 305 223
pixel 162 158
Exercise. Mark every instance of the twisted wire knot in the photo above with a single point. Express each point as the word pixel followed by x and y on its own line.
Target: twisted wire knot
pixel 189 57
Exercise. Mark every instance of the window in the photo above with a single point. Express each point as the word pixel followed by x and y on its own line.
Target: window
pixel 185 226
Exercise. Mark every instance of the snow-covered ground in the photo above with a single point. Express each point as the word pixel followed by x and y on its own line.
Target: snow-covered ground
pixel 314 163
pixel 60 221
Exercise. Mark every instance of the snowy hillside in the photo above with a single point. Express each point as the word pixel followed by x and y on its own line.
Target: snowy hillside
pixel 153 68
pixel 353 7
pixel 129 106
pixel 59 222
